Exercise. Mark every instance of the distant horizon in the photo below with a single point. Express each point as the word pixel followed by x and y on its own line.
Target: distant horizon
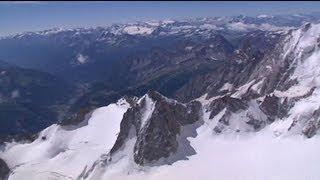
pixel 107 25
pixel 18 17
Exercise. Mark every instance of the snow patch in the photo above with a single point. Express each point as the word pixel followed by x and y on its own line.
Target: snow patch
pixel 82 59
pixel 263 16
pixel 153 23
pixel 15 93
pixel 269 27
pixel 148 110
pixel 208 27
pixel 240 26
pixel 257 87
pixel 188 48
pixel 138 30
pixel 226 87
pixel 168 21
pixel 242 90
pixel 294 91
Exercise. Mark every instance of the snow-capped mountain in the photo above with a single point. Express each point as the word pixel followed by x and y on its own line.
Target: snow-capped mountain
pixel 254 117
pixel 65 52
pixel 167 27
pixel 103 64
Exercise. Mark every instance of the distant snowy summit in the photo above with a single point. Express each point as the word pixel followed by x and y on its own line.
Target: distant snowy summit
pixel 167 27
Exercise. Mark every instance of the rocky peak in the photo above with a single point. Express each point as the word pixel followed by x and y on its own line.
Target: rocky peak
pixel 156 122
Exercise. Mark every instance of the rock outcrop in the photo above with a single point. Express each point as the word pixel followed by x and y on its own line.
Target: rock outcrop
pixel 156 122
pixel 4 170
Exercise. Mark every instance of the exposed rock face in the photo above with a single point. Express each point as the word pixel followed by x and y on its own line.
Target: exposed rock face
pixel 4 170
pixel 311 129
pixel 270 106
pixel 77 118
pixel 229 114
pixel 159 136
pixel 280 80
pixel 156 128
pixel 130 120
pixel 231 104
pixel 312 125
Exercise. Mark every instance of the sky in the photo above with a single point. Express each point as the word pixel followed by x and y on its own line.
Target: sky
pixel 21 16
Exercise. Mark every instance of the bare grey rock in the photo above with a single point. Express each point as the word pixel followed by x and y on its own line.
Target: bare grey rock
pixel 271 107
pixel 158 137
pixel 4 170
pixel 232 104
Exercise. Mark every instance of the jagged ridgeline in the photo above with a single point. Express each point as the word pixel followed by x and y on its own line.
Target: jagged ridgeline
pixel 261 84
pixel 92 67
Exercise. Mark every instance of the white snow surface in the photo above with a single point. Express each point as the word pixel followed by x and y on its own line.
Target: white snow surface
pixel 149 107
pixel 63 154
pixel 134 30
pixel 231 157
pixel 303 46
pixel 188 48
pixel 82 59
pixel 257 87
pixel 263 16
pixel 263 155
pixel 226 87
pixel 240 26
pixel 15 93
pixel 242 89
pixel 209 26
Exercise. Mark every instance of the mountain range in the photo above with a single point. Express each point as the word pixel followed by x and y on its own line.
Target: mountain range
pixel 150 100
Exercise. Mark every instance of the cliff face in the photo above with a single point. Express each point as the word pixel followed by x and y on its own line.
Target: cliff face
pixel 156 122
pixel 4 170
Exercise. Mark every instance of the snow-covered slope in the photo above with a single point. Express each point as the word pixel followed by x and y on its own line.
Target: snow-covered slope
pixel 77 152
pixel 64 152
pixel 257 156
pixel 246 155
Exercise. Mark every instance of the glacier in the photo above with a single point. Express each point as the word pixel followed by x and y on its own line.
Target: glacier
pixel 65 152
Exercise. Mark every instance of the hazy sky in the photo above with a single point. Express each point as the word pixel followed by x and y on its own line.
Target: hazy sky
pixel 20 16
